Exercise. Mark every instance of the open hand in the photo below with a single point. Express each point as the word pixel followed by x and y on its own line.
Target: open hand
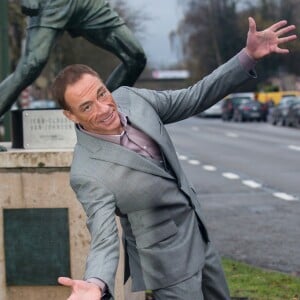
pixel 265 42
pixel 81 290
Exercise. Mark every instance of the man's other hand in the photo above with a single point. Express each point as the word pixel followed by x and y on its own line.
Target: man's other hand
pixel 80 289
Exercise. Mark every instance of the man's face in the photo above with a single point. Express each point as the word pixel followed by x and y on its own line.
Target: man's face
pixel 92 106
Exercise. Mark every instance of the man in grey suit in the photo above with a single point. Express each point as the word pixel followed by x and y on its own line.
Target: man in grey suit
pixel 125 163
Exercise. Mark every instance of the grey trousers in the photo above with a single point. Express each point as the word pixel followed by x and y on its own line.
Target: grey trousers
pixel 208 284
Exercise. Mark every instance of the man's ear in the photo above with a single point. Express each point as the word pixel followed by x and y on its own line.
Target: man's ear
pixel 70 116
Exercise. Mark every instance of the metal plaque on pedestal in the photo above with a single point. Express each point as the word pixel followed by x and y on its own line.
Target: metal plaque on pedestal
pixel 42 129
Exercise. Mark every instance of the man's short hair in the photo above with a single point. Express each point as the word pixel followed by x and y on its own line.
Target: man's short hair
pixel 68 76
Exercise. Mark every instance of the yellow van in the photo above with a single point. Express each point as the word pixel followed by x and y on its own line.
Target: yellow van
pixel 275 97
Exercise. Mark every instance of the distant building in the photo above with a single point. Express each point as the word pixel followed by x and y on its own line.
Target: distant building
pixel 170 74
pixel 164 79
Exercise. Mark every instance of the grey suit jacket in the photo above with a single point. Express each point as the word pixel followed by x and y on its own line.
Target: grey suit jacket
pixel 159 210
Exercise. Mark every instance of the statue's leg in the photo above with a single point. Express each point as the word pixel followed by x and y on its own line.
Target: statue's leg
pixel 38 46
pixel 121 42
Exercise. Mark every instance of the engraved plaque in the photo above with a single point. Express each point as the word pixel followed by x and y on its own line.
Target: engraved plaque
pixel 47 128
pixel 36 243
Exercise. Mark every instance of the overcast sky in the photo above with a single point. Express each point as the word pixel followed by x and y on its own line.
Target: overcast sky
pixel 165 15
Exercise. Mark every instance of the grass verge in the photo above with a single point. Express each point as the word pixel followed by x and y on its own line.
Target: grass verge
pixel 247 282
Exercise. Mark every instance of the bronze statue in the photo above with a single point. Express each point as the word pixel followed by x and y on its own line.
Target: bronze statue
pixel 94 20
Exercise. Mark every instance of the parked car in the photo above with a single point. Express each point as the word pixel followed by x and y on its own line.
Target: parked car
pixel 214 111
pixel 278 114
pixel 293 115
pixel 265 108
pixel 247 110
pixel 231 102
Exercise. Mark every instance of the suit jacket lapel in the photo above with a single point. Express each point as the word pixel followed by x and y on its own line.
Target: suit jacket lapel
pixel 114 153
pixel 158 133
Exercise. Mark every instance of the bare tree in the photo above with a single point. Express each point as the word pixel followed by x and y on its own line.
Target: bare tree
pixel 212 31
pixel 208 34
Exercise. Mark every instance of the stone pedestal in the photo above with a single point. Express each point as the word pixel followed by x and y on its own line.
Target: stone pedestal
pixel 40 179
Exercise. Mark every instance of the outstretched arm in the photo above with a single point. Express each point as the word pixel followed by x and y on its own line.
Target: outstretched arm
pixel 265 42
pixel 81 290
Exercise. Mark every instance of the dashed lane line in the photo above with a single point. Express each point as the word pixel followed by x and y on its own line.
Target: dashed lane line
pixel 209 168
pixel 231 176
pixel 194 162
pixel 251 183
pixel 232 134
pixel 294 147
pixel 182 157
pixel 285 196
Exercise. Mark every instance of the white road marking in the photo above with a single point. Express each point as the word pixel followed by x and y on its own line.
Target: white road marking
pixel 230 175
pixel 209 168
pixel 232 134
pixel 293 147
pixel 195 128
pixel 285 196
pixel 252 184
pixel 194 162
pixel 182 157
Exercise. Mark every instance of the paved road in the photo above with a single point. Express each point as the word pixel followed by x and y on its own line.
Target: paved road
pixel 248 178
